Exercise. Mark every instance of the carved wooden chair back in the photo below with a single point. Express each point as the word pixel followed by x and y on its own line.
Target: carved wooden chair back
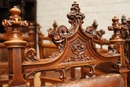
pixel 76 48
pixel 97 39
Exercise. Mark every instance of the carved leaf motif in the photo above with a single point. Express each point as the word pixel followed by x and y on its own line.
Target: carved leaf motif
pixel 78 50
pixel 75 15
pixel 58 36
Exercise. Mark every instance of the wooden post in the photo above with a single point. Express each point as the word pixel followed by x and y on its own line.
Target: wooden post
pixel 119 43
pixel 15 46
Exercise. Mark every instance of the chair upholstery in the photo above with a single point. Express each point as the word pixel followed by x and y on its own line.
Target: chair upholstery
pixel 109 80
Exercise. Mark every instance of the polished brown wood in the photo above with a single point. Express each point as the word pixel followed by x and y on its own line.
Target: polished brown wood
pixel 46 49
pixel 76 48
pixel 27 7
pixel 46 46
pixel 27 36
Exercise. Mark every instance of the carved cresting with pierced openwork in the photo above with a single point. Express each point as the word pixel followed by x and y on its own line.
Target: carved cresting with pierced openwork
pixel 76 48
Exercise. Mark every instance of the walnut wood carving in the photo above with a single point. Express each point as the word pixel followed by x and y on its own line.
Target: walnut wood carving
pixel 15 45
pixel 76 48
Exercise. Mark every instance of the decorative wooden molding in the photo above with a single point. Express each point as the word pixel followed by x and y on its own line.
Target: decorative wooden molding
pixel 76 47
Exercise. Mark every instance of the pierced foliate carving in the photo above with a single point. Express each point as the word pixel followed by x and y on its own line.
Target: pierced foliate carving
pixel 92 29
pixel 78 50
pixel 58 36
pixel 75 16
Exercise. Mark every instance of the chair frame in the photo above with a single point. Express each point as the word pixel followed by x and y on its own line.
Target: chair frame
pixel 75 42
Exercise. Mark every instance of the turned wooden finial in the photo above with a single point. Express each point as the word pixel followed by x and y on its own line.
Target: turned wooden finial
pixel 15 11
pixel 115 23
pixel 16 46
pixel 123 20
pixel 14 19
pixel 116 27
pixel 15 23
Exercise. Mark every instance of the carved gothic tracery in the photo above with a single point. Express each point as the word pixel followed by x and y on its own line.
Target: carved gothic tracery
pixel 63 73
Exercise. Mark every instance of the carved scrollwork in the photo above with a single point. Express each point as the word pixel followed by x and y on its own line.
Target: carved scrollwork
pixel 112 49
pixel 92 29
pixel 91 71
pixel 58 36
pixel 30 55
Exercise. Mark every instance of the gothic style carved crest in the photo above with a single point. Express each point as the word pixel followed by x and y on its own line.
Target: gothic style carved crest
pixel 76 48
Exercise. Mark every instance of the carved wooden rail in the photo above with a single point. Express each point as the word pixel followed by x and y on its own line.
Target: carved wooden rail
pixel 76 48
